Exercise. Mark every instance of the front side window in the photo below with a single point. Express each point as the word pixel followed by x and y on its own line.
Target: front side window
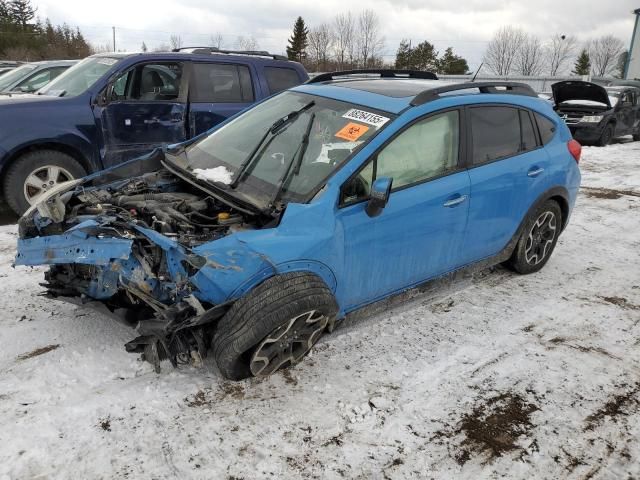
pixel 495 132
pixel 279 78
pixel 221 83
pixel 150 82
pixel 425 150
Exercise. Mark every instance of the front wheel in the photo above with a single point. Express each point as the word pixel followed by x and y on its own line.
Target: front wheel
pixel 35 173
pixel 606 136
pixel 274 326
pixel 538 239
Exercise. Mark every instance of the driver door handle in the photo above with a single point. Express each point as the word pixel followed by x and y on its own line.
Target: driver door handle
pixel 534 172
pixel 457 200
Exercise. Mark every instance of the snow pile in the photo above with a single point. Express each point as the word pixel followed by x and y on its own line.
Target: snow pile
pixel 493 376
pixel 218 174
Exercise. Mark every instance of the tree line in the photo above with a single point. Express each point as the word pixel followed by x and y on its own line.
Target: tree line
pixel 356 41
pixel 512 51
pixel 23 39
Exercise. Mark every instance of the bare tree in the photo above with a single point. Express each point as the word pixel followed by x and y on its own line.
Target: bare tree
pixel 370 42
pixel 503 49
pixel 216 40
pixel 321 40
pixel 246 43
pixel 344 38
pixel 604 53
pixel 530 56
pixel 163 47
pixel 560 50
pixel 175 42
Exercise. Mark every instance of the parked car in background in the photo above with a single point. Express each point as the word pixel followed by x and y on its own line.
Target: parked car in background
pixel 4 70
pixel 254 239
pixel 597 114
pixel 31 77
pixel 114 107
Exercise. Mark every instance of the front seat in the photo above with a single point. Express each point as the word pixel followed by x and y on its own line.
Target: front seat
pixel 151 85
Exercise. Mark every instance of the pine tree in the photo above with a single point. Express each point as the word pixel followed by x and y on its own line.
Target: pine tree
pixel 403 55
pixel 296 50
pixel 424 57
pixel 450 64
pixel 21 12
pixel 583 63
pixel 4 12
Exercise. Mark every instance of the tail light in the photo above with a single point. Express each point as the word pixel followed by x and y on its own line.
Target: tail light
pixel 575 149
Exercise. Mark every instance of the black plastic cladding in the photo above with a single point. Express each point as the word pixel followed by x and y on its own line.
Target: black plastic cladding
pixel 384 73
pixel 510 88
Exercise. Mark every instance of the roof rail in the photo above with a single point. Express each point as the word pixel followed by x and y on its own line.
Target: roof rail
pixel 384 73
pixel 214 50
pixel 512 88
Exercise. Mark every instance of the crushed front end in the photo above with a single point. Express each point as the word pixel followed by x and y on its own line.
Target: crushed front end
pixel 154 250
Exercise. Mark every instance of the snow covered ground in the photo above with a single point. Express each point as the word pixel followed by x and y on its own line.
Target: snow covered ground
pixel 495 375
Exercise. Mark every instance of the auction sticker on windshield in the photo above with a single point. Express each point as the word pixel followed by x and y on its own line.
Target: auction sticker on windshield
pixel 366 117
pixel 352 131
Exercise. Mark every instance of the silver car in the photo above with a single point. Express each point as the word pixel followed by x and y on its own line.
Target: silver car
pixel 31 77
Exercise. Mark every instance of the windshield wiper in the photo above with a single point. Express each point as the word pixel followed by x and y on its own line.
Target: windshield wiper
pixel 276 128
pixel 295 162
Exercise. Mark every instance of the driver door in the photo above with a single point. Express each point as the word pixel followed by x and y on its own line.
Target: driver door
pixel 146 107
pixel 420 232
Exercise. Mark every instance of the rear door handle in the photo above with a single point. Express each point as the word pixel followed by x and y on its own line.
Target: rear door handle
pixel 534 172
pixel 457 200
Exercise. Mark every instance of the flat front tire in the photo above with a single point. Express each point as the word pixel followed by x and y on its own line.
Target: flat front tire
pixel 34 173
pixel 274 326
pixel 538 239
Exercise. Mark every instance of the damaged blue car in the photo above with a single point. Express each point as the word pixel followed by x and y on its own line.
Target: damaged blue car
pixel 252 240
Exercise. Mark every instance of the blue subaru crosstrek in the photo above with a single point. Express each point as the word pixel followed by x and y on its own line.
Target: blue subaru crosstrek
pixel 252 240
pixel 113 107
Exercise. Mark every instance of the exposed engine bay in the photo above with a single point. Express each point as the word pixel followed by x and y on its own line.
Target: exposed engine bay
pixel 141 247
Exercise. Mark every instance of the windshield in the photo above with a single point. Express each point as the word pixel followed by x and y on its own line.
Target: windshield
pixel 283 149
pixel 79 78
pixel 8 79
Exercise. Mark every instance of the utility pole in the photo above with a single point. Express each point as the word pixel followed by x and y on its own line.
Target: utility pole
pixel 114 38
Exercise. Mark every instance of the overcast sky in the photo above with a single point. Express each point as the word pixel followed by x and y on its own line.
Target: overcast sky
pixel 466 25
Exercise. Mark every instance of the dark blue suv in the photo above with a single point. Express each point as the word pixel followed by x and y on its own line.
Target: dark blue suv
pixel 254 239
pixel 114 107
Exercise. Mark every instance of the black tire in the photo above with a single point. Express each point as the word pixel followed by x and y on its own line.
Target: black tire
pixel 606 136
pixel 25 165
pixel 636 136
pixel 265 310
pixel 524 259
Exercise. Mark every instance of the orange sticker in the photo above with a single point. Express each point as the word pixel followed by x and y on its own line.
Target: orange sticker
pixel 352 131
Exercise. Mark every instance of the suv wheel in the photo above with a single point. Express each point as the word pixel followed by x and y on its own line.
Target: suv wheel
pixel 34 173
pixel 274 326
pixel 538 239
pixel 636 136
pixel 606 136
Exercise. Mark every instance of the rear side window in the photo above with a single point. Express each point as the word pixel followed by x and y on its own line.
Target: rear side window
pixel 529 141
pixel 495 133
pixel 280 79
pixel 221 83
pixel 546 127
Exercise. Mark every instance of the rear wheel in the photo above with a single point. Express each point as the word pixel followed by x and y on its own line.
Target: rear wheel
pixel 606 136
pixel 35 173
pixel 274 326
pixel 538 239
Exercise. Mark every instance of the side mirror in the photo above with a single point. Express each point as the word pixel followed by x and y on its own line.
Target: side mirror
pixel 380 191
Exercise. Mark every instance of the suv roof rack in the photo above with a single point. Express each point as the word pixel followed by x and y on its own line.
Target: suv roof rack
pixel 384 73
pixel 512 88
pixel 214 50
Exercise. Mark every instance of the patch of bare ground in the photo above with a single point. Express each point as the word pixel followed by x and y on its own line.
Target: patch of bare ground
pixel 565 342
pixel 618 405
pixel 37 352
pixel 607 193
pixel 621 302
pixel 496 426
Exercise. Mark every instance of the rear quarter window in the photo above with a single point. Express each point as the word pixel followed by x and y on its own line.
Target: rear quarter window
pixel 279 78
pixel 546 127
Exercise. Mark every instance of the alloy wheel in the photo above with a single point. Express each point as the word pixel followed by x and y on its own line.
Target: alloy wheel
pixel 42 179
pixel 540 238
pixel 288 344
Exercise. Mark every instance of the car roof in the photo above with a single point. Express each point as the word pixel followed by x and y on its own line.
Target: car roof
pixel 53 63
pixel 392 95
pixel 221 56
